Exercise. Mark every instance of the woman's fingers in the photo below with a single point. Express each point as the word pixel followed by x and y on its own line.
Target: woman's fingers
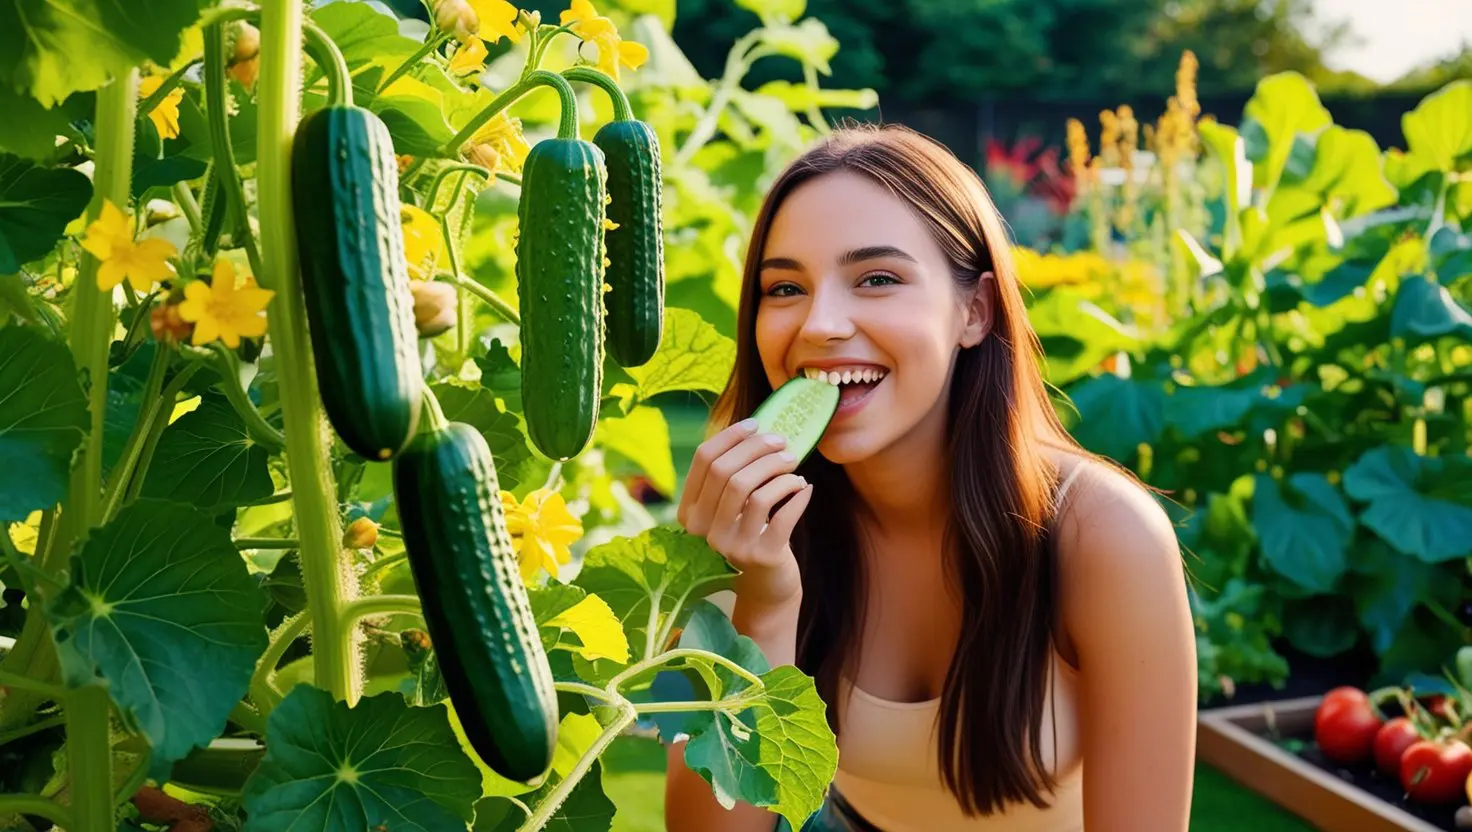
pixel 709 451
pixel 758 510
pixel 745 482
pixel 779 528
pixel 720 471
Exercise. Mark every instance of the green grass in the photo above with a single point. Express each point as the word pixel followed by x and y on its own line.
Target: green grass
pixel 634 780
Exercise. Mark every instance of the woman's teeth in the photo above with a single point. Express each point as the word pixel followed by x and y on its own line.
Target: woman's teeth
pixel 850 376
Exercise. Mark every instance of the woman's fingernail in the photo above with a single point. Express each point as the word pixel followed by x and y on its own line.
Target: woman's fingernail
pixel 786 456
pixel 748 425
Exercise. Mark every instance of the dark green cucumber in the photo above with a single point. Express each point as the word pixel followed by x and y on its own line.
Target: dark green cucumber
pixel 559 274
pixel 355 278
pixel 799 411
pixel 475 604
pixel 635 299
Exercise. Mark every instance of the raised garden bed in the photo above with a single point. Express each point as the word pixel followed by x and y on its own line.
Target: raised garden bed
pixel 1269 747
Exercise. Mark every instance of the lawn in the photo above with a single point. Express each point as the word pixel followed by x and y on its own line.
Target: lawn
pixel 634 779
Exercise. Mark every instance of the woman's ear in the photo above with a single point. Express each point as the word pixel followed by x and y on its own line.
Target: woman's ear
pixel 979 310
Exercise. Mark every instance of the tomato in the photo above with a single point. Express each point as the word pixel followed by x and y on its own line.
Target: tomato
pixel 1345 726
pixel 1391 741
pixel 1435 771
pixel 1441 705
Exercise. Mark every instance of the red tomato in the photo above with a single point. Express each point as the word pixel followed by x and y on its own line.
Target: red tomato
pixel 1345 726
pixel 1435 771
pixel 1441 705
pixel 1392 740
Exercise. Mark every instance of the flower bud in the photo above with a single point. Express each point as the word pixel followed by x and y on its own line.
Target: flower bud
pixel 245 62
pixel 167 324
pixel 360 534
pixel 457 17
pixel 434 306
pixel 484 154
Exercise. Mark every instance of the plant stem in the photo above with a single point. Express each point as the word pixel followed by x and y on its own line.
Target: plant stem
pixel 122 472
pixel 267 543
pixel 554 800
pixel 45 689
pixel 260 430
pixel 325 52
pixel 430 45
pixel 588 690
pixel 380 605
pixel 737 62
pixel 166 402
pixel 444 172
pixel 668 656
pixel 189 206
pixel 308 449
pixel 492 299
pixel 567 127
pixel 224 153
pixel 34 728
pixel 33 804
pixel 263 690
pixel 588 75
pixel 382 563
pixel 509 177
pixel 135 780
pixel 730 703
pixel 89 753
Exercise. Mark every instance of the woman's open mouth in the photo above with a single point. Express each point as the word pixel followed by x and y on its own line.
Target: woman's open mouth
pixel 855 384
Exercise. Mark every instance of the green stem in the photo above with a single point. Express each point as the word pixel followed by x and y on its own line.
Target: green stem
pixel 135 779
pixel 815 113
pixel 89 753
pixel 541 41
pixel 263 692
pixel 177 77
pixel 509 177
pixel 279 497
pixel 382 564
pixel 433 411
pixel 248 718
pixel 161 417
pixel 588 75
pixel 224 153
pixel 308 448
pixel 567 127
pixel 260 430
pixel 737 62
pixel 554 800
pixel 668 656
pixel 325 52
pixel 730 703
pixel 430 45
pixel 380 605
pixel 189 206
pixel 122 473
pixel 267 543
pixel 34 728
pixel 588 690
pixel 492 299
pixel 44 689
pixel 32 804
pixel 443 173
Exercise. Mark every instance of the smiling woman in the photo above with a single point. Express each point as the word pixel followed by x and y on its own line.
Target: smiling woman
pixel 997 618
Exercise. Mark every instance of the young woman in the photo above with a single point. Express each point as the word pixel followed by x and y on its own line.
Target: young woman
pixel 997 619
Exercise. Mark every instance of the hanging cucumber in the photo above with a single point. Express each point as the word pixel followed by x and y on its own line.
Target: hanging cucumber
pixel 355 279
pixel 476 607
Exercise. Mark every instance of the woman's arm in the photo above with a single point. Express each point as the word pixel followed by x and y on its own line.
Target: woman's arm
pixel 1122 593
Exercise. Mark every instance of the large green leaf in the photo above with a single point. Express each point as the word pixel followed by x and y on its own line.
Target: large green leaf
pixel 1304 529
pixel 1283 105
pixel 1451 254
pixel 500 374
pixel 797 747
pixel 1194 411
pixel 587 808
pixel 1390 584
pixel 208 458
pixel 1425 310
pixel 643 438
pixel 661 569
pixel 1116 415
pixel 691 356
pixel 1439 130
pixel 1076 334
pixel 36 204
pixel 364 34
pixel 54 48
pixel 43 418
pixel 1347 175
pixel 380 764
pixel 1408 501
pixel 1230 151
pixel 1322 626
pixel 162 607
pixel 30 128
pixel 808 41
pixel 516 465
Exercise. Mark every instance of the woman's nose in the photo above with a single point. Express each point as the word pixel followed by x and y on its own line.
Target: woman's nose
pixel 828 318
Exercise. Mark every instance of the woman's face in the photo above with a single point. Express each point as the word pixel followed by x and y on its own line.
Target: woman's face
pixel 853 284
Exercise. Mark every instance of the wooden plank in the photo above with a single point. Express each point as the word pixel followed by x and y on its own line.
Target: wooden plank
pixel 1227 738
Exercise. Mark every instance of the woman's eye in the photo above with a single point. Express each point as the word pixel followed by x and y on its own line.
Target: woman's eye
pixel 782 290
pixel 880 276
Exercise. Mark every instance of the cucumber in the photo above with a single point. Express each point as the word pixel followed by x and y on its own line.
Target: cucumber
pixel 559 283
pixel 475 604
pixel 355 279
pixel 799 411
pixel 635 298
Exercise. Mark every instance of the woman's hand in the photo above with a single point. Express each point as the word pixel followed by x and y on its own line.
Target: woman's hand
pixel 736 478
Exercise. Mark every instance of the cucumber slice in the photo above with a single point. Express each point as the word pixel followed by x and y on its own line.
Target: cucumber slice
pixel 799 411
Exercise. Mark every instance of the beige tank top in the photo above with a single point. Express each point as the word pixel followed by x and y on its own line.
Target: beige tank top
pixel 888 769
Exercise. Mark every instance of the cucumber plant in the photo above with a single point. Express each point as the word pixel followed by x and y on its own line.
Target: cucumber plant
pixel 275 551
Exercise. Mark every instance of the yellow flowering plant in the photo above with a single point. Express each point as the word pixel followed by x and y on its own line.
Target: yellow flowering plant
pixel 226 308
pixel 110 238
pixel 542 531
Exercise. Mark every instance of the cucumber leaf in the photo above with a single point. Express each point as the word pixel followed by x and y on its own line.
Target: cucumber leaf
pixel 1116 414
pixel 587 808
pixel 1439 130
pixel 36 204
pixel 156 595
pixel 1304 529
pixel 600 633
pixel 518 468
pixel 1420 505
pixel 692 356
pixel 43 418
pixel 663 569
pixel 642 437
pixel 380 763
pixel 208 458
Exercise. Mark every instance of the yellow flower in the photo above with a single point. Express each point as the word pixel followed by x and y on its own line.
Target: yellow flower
pixel 613 50
pixel 165 115
pixel 220 310
pixel 502 134
pixel 497 18
pixel 424 245
pixel 542 530
pixel 469 57
pixel 110 239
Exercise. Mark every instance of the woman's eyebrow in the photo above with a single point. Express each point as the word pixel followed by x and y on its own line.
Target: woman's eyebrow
pixel 874 253
pixel 784 263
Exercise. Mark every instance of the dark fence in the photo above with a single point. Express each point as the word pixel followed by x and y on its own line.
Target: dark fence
pixel 965 128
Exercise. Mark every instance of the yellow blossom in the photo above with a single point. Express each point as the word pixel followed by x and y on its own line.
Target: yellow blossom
pixel 613 50
pixel 542 530
pixel 220 310
pixel 143 263
pixel 469 57
pixel 424 244
pixel 497 19
pixel 502 135
pixel 165 114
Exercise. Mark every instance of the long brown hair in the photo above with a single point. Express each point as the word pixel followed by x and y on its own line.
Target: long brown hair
pixel 1001 483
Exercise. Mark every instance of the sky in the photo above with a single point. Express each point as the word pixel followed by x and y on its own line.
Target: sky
pixel 1398 35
